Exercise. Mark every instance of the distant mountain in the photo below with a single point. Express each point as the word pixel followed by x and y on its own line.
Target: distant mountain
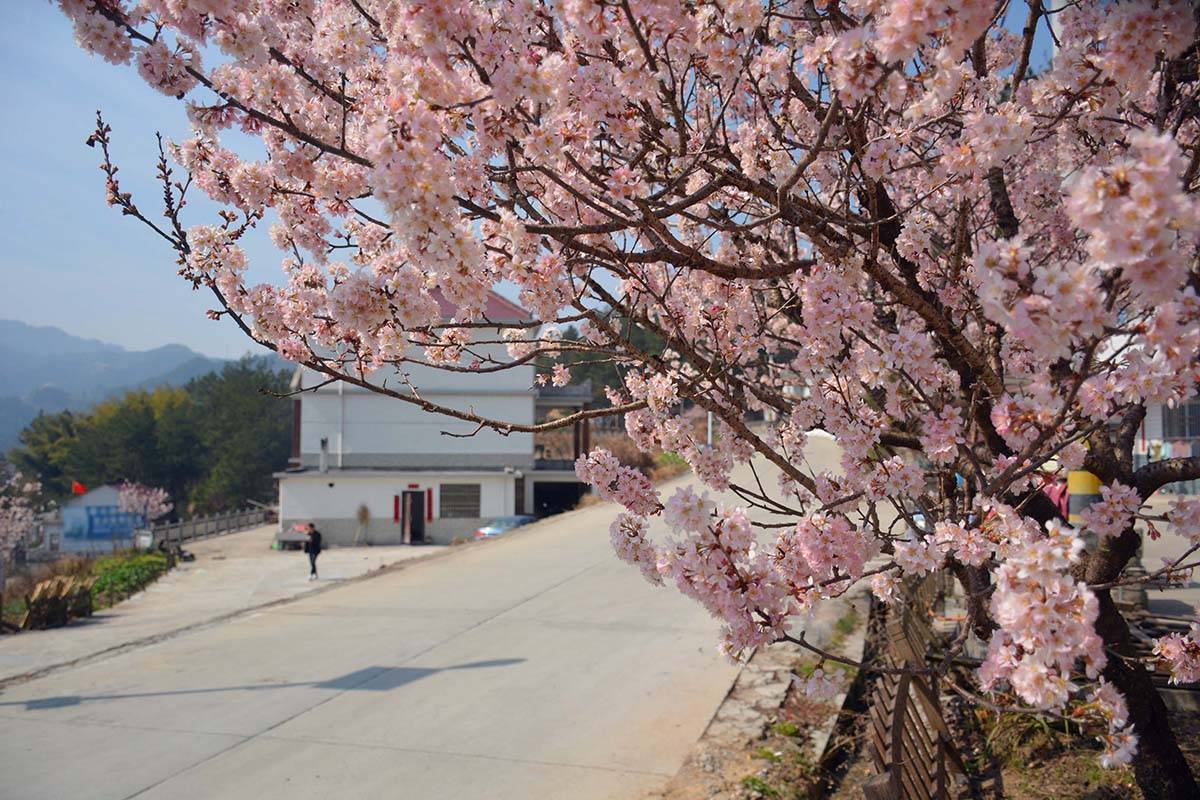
pixel 41 340
pixel 47 369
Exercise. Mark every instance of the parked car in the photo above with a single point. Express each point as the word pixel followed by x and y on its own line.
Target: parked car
pixel 500 525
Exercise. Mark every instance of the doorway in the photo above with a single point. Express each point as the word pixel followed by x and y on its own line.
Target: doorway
pixel 412 517
pixel 555 497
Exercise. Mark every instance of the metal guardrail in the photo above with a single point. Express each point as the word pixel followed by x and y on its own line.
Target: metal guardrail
pixel 204 527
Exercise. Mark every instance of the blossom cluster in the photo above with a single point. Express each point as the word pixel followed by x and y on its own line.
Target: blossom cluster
pixel 629 542
pixel 1046 616
pixel 1181 654
pixel 1120 743
pixel 819 685
pixel 1113 512
pixel 18 510
pixel 1184 517
pixel 876 219
pixel 147 502
pixel 615 481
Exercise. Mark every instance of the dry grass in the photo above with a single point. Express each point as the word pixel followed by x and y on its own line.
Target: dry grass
pixel 667 466
pixel 560 444
pixel 20 583
pixel 589 499
pixel 1043 761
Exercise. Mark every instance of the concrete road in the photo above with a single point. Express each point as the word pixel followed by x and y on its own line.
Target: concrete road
pixel 231 573
pixel 534 666
pixel 1182 600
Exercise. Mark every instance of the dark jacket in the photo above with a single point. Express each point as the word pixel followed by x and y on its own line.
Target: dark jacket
pixel 313 543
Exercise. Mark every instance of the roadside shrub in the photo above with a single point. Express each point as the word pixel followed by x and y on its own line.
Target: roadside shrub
pixel 667 466
pixel 117 576
pixel 123 574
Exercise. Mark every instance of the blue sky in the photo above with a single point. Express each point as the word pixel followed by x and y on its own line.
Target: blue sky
pixel 68 260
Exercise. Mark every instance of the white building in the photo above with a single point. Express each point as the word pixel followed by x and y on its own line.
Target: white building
pixel 372 469
pixel 93 521
pixel 1170 433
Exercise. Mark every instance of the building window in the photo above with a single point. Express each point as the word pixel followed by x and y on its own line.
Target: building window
pixel 519 488
pixel 459 500
pixel 1181 422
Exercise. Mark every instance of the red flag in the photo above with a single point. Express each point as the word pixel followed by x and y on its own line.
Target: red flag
pixel 78 488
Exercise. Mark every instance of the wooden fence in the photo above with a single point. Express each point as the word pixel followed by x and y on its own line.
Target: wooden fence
pixel 55 602
pixel 177 533
pixel 910 743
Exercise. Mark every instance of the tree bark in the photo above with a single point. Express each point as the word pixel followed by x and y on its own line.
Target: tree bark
pixel 1159 766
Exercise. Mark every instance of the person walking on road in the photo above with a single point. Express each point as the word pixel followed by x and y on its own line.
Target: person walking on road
pixel 312 546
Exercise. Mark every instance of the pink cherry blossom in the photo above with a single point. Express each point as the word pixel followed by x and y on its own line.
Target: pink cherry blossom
pixel 1113 512
pixel 819 685
pixel 147 502
pixel 877 220
pixel 631 546
pixel 17 510
pixel 1181 654
pixel 685 511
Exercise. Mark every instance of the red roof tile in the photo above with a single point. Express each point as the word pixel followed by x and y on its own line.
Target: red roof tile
pixel 497 308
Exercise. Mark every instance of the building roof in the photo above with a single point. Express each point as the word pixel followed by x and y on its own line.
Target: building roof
pixel 496 308
pixel 106 494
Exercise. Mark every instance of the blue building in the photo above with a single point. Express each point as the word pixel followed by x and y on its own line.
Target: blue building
pixel 96 518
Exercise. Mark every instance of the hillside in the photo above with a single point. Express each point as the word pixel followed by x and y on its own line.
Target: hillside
pixel 44 368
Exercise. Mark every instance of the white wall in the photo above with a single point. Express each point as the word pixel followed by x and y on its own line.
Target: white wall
pixel 431 379
pixel 360 422
pixel 428 379
pixel 100 496
pixel 365 428
pixel 310 496
pixel 1153 424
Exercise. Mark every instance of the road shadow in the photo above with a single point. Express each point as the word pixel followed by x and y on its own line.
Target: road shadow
pixel 1170 607
pixel 369 679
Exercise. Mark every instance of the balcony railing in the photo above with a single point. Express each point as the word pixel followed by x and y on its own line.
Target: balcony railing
pixel 553 463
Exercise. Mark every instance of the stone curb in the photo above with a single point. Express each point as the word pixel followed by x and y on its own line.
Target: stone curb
pixel 757 694
pixel 852 648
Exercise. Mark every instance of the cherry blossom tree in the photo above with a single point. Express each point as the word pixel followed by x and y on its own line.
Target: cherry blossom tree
pixel 18 514
pixel 148 503
pixel 870 217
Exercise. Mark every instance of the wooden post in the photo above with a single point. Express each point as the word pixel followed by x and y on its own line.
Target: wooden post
pixel 587 431
pixel 898 712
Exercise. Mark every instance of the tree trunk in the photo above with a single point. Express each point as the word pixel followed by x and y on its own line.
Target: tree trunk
pixel 1159 766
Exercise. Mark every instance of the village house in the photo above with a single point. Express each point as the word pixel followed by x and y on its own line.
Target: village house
pixel 1170 432
pixel 372 469
pixel 91 521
